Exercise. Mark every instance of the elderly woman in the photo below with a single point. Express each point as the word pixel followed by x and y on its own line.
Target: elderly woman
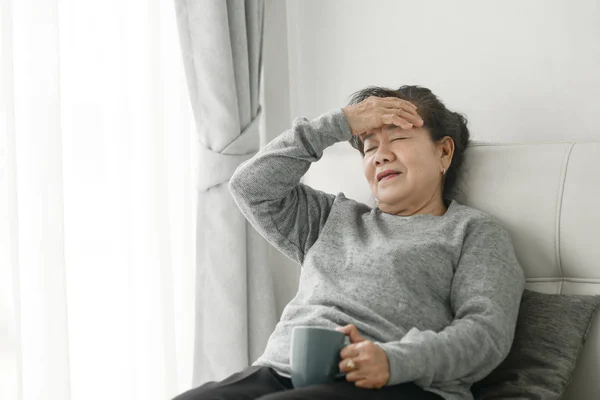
pixel 427 289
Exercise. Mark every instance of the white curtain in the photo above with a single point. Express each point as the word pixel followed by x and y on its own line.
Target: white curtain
pixel 97 202
pixel 221 44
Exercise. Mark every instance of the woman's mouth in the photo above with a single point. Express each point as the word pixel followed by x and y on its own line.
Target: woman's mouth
pixel 388 177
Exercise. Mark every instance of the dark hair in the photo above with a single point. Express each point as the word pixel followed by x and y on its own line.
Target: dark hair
pixel 437 119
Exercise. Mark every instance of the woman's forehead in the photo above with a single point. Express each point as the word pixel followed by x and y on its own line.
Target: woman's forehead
pixel 386 130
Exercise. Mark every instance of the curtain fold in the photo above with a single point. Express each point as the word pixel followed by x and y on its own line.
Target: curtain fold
pixel 221 43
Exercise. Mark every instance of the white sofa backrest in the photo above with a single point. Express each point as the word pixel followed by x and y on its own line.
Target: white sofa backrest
pixel 548 196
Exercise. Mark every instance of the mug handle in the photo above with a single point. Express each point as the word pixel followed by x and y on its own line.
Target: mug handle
pixel 346 343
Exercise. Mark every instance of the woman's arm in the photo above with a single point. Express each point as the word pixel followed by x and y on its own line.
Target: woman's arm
pixel 486 293
pixel 267 188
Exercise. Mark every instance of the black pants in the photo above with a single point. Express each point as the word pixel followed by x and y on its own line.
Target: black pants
pixel 265 384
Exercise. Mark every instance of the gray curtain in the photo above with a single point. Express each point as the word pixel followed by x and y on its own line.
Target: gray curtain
pixel 221 43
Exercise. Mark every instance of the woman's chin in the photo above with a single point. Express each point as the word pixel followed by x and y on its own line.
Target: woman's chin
pixel 388 196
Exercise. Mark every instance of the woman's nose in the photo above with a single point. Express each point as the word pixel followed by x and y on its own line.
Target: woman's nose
pixel 383 154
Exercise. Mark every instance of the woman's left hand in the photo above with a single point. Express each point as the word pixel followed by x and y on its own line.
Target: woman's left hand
pixel 371 365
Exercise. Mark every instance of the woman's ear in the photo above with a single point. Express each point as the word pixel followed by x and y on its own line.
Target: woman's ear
pixel 447 151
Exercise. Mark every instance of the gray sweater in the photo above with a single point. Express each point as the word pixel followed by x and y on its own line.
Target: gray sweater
pixel 439 294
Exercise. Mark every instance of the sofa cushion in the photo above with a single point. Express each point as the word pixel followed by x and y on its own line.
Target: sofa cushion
pixel 549 335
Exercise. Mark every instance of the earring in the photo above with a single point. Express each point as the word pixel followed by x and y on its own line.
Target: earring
pixel 443 171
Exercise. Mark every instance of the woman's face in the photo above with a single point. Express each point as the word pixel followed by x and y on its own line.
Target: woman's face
pixel 418 159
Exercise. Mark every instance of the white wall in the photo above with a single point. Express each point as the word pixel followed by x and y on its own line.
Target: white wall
pixel 521 70
pixel 526 70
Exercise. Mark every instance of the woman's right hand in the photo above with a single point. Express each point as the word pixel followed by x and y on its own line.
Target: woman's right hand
pixel 374 112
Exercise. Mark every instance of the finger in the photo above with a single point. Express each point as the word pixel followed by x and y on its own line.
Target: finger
pixel 354 376
pixel 396 120
pixel 363 383
pixel 413 118
pixel 351 331
pixel 395 102
pixel 403 111
pixel 343 365
pixel 345 331
pixel 355 336
pixel 349 351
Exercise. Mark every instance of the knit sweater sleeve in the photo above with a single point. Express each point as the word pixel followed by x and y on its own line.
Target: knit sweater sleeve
pixel 268 191
pixel 485 296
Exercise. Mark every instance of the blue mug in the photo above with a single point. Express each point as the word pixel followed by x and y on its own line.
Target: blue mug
pixel 315 355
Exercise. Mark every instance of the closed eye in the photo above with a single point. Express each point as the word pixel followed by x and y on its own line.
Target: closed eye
pixel 390 141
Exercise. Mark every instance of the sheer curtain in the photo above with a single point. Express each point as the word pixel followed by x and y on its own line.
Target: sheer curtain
pixel 97 209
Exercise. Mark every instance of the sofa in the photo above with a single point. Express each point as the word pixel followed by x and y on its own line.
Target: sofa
pixel 548 196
